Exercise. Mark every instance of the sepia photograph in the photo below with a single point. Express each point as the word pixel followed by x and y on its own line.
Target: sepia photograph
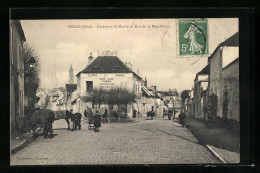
pixel 124 91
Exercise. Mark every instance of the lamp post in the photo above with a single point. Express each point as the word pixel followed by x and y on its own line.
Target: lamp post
pixel 20 72
pixel 32 62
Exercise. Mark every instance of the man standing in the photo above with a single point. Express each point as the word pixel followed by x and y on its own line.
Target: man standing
pixel 97 121
pixel 134 112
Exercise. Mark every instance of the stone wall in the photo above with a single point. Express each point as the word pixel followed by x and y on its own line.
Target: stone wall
pixel 231 87
pixel 215 85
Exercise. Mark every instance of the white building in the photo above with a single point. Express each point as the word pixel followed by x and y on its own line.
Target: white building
pixel 105 72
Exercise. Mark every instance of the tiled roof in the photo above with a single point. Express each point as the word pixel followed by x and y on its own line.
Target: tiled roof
pixel 146 92
pixel 205 70
pixel 20 29
pixel 107 64
pixel 232 41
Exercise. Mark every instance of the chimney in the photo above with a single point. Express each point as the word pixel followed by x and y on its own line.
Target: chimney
pixel 90 58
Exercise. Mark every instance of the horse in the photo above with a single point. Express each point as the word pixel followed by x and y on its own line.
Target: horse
pixel 40 118
pixel 67 115
pixel 168 114
pixel 150 114
pixel 76 119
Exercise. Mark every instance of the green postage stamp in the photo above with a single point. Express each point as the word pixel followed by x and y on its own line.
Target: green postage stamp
pixel 193 37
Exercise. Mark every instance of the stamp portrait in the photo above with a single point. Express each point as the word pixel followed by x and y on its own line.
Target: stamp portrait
pixel 193 37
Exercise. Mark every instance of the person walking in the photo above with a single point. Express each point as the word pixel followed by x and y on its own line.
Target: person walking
pixel 182 116
pixel 105 115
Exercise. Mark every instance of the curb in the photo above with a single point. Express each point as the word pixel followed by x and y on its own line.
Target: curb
pixel 22 145
pixel 209 148
pixel 215 153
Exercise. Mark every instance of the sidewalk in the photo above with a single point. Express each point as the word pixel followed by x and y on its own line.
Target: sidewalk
pixel 217 139
pixel 19 141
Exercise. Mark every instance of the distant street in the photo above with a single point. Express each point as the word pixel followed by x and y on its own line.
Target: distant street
pixel 140 142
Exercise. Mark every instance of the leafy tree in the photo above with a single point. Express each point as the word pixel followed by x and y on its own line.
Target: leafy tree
pixel 31 74
pixel 116 96
pixel 175 92
pixel 121 96
pixel 184 95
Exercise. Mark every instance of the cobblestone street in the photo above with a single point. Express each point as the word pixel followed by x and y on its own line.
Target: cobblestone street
pixel 139 142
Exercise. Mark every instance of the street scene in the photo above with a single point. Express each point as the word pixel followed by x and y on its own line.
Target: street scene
pixel 135 91
pixel 140 142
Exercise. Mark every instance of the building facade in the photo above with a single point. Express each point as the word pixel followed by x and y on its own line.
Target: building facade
pixel 106 73
pixel 199 95
pixel 224 77
pixel 17 39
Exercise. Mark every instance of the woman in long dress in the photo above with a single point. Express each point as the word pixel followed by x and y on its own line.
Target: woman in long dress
pixel 191 35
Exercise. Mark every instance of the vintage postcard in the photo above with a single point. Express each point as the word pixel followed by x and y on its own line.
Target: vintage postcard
pixel 124 91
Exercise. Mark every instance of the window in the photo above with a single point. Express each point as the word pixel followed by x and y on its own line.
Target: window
pixel 89 85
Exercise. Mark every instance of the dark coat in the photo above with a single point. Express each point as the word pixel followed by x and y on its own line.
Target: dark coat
pixel 97 120
pixel 134 113
pixel 182 116
pixel 85 113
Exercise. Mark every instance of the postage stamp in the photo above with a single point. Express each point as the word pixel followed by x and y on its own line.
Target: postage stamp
pixel 192 37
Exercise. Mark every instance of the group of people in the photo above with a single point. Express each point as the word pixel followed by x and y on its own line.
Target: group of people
pixel 94 116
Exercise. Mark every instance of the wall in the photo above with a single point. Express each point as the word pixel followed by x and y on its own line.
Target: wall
pixel 231 86
pixel 229 55
pixel 215 85
pixel 109 81
pixel 17 81
pixel 121 80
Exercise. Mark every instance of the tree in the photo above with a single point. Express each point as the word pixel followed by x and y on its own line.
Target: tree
pixel 184 96
pixel 31 74
pixel 175 92
pixel 112 97
pixel 120 96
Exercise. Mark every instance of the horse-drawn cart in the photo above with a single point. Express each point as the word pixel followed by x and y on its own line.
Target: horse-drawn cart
pixel 169 115
pixel 150 114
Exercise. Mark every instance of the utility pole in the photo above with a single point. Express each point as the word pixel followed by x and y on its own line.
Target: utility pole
pixel 54 81
pixel 155 106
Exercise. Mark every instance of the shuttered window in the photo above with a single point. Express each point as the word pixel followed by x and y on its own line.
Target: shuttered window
pixel 89 86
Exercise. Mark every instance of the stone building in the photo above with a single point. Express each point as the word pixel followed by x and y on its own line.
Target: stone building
pixel 224 77
pixel 17 38
pixel 106 72
pixel 200 92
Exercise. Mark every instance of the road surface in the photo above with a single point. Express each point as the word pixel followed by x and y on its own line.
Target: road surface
pixel 142 141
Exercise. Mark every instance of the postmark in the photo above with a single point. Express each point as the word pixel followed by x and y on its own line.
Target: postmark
pixel 192 37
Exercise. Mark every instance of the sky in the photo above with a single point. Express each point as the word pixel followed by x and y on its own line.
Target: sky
pixel 152 51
